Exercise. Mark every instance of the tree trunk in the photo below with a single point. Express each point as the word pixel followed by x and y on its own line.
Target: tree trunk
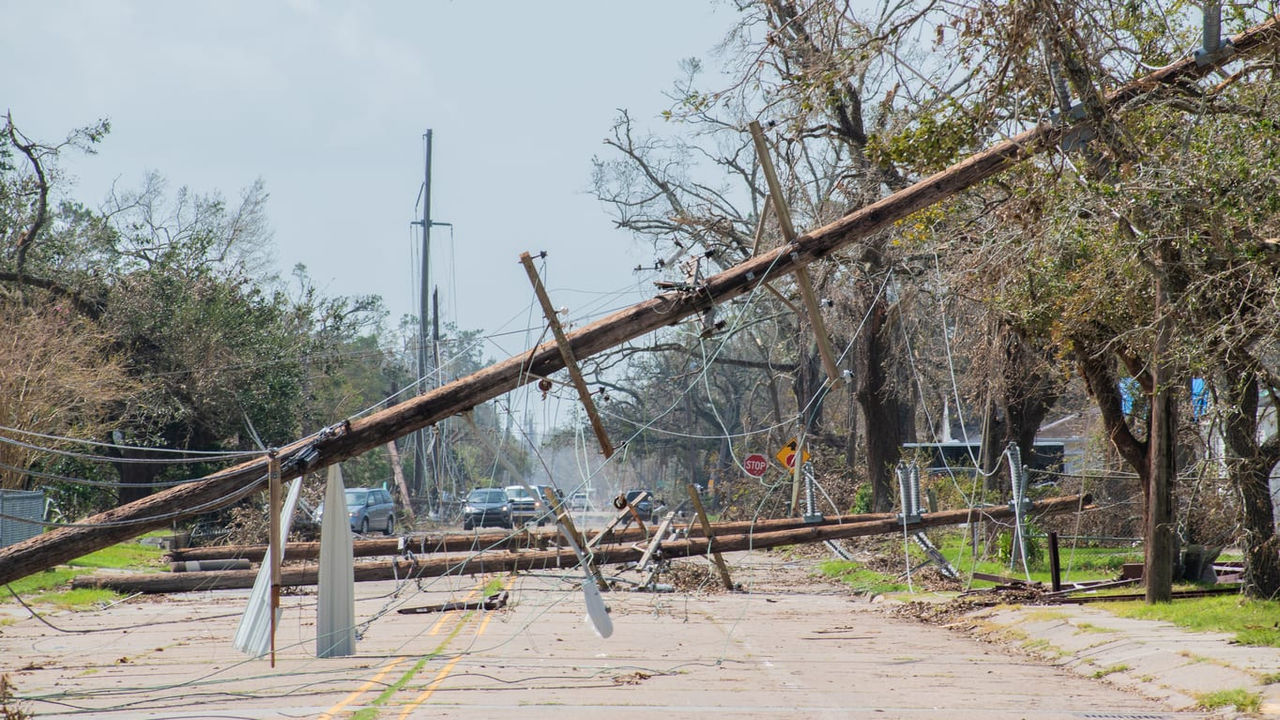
pixel 1249 467
pixel 1261 544
pixel 1160 526
pixel 992 444
pixel 881 416
pixel 136 477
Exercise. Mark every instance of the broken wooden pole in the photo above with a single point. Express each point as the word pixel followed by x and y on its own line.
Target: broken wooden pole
pixel 493 562
pixel 519 539
pixel 347 439
pixel 397 472
pixel 566 354
pixel 803 282
pixel 1055 567
pixel 664 527
pixel 709 534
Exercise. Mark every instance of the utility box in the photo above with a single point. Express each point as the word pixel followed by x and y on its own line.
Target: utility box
pixel 21 515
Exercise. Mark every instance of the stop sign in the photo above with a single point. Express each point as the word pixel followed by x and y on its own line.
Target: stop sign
pixel 755 465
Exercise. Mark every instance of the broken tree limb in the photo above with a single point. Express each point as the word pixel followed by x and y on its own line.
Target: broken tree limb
pixel 492 562
pixel 345 440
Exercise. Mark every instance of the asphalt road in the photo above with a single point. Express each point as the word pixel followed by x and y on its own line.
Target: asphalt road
pixel 786 647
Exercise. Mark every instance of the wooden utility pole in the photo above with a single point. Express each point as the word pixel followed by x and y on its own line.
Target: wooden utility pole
pixel 344 440
pixel 716 557
pixel 424 435
pixel 566 354
pixel 397 473
pixel 803 282
pixel 276 542
pixel 1159 522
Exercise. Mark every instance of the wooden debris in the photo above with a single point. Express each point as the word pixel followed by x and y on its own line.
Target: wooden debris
pixel 495 601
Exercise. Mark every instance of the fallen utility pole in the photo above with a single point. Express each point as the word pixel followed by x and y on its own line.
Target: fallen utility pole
pixel 348 439
pixel 490 562
pixel 523 539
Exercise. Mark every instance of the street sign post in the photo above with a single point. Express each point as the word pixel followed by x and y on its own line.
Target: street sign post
pixel 755 465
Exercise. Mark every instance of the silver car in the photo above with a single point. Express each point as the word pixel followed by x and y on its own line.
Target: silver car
pixel 368 508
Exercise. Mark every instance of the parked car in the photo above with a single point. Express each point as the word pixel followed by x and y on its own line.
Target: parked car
pixel 367 508
pixel 579 501
pixel 486 506
pixel 643 502
pixel 528 509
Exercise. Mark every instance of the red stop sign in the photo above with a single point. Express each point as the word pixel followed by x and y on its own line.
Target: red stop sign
pixel 755 465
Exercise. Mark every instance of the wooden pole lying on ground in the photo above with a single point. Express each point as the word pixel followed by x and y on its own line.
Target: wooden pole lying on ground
pixel 522 539
pixel 485 562
pixel 345 440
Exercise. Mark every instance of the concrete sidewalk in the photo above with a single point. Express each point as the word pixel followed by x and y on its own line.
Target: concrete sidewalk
pixel 1153 658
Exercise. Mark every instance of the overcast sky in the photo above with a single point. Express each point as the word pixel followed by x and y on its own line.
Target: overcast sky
pixel 327 103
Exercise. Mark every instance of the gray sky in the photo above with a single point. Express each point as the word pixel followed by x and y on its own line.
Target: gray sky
pixel 327 103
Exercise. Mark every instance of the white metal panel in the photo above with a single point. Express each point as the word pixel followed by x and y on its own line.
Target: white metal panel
pixel 336 609
pixel 253 636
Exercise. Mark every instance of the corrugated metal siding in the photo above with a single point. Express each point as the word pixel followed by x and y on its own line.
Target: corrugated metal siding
pixel 25 504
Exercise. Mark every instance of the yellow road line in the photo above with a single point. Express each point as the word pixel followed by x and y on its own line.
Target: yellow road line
pixel 444 671
pixel 331 712
pixel 361 690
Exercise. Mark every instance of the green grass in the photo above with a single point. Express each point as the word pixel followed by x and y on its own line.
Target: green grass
pixel 48 587
pixel 1078 564
pixel 78 599
pixel 494 585
pixel 1243 700
pixel 1253 622
pixel 860 578
pixel 39 582
pixel 1098 675
pixel 129 555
